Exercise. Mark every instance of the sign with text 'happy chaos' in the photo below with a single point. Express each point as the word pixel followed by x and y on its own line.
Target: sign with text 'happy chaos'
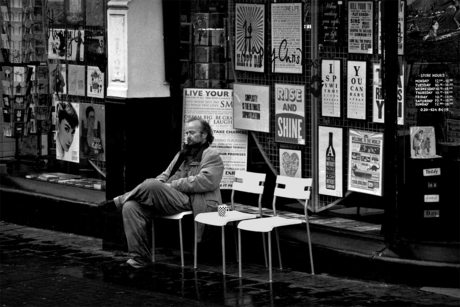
pixel 290 113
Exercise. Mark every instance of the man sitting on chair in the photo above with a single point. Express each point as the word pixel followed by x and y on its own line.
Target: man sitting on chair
pixel 191 182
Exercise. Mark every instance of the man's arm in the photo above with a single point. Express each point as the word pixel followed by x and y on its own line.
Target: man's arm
pixel 208 178
pixel 163 177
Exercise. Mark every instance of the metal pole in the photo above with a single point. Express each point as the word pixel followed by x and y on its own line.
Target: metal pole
pixel 390 66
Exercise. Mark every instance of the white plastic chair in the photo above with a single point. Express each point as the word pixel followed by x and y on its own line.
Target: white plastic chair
pixel 288 187
pixel 244 182
pixel 177 217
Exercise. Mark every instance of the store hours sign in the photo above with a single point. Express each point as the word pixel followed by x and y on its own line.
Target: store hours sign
pixel 290 113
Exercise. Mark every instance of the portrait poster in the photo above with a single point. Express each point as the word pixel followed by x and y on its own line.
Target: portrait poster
pixel 67 135
pixel 365 161
pixel 356 89
pixel 250 37
pixel 360 27
pixel 95 82
pixel 331 90
pixel 57 44
pixel 92 131
pixel 75 45
pixel 331 27
pixel 290 163
pixel 251 107
pixel 75 14
pixel 76 80
pixel 215 106
pixel 330 161
pixel 290 113
pixel 58 78
pixel 422 142
pixel 286 37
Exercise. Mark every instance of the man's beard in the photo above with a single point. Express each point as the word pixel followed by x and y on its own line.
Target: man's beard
pixel 189 148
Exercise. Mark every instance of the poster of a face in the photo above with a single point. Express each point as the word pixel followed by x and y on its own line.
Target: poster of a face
pixel 67 131
pixel 330 161
pixel 251 107
pixel 290 113
pixel 250 37
pixel 92 131
pixel 290 163
pixel 356 85
pixel 331 90
pixel 95 82
pixel 58 78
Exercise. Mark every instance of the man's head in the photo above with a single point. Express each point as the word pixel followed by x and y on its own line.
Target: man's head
pixel 67 123
pixel 198 131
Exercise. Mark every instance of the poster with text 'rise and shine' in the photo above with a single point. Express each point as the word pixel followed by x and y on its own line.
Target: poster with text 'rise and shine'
pixel 290 113
pixel 216 106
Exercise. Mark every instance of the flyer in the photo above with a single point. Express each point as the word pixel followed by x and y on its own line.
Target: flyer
pixel 250 37
pixel 330 161
pixel 365 160
pixel 67 135
pixel 357 88
pixel 286 29
pixel 331 90
pixel 251 107
pixel 290 113
pixel 360 27
pixel 216 106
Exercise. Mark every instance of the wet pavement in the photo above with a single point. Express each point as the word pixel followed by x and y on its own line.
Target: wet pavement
pixel 47 268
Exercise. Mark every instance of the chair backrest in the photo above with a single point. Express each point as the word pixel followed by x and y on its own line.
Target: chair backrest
pixel 249 182
pixel 294 188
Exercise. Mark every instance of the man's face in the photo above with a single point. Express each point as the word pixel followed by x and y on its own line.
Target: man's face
pixel 193 133
pixel 65 134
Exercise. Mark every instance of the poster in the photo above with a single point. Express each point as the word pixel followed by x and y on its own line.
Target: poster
pixel 330 161
pixel 360 27
pixel 95 82
pixel 76 80
pixel 290 163
pixel 66 44
pixel 356 86
pixel 216 106
pixel 251 107
pixel 422 143
pixel 331 23
pixel 432 31
pixel 75 14
pixel 67 134
pixel 331 90
pixel 290 113
pixel 250 37
pixel 92 131
pixel 56 13
pixel 286 30
pixel 58 78
pixel 365 161
pixel 95 12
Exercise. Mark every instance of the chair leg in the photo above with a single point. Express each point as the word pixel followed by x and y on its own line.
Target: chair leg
pixel 223 250
pixel 309 248
pixel 265 248
pixel 279 249
pixel 240 264
pixel 153 241
pixel 270 256
pixel 196 247
pixel 236 240
pixel 181 244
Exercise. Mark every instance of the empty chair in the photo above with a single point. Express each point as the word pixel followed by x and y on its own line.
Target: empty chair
pixel 287 187
pixel 244 182
pixel 177 217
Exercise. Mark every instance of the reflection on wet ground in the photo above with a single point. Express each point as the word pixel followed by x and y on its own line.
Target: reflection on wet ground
pixel 43 268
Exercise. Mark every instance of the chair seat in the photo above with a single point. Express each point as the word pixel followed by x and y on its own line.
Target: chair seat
pixel 267 224
pixel 177 216
pixel 213 218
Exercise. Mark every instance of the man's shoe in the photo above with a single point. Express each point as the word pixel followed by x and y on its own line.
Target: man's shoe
pixel 107 206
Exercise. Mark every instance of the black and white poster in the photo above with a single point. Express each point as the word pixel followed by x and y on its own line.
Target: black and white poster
pixel 360 27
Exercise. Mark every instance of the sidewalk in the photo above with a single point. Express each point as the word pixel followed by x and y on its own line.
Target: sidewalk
pixel 47 268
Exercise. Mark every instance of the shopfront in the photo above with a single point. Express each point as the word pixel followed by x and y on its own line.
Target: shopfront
pixel 299 88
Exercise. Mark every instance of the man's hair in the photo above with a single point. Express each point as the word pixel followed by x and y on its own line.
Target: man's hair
pixel 66 111
pixel 89 109
pixel 205 128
